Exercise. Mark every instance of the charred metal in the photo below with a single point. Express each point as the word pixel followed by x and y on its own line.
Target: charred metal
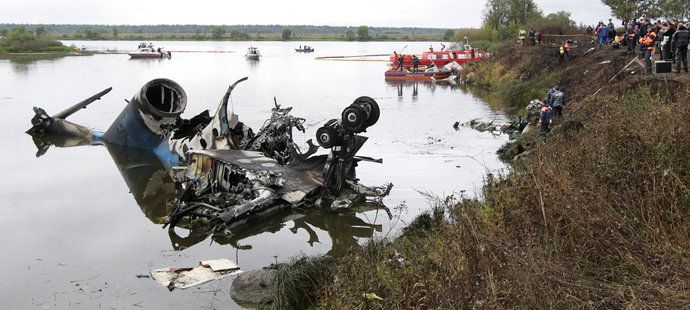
pixel 224 172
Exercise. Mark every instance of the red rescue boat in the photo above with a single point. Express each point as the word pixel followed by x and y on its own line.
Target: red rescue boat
pixel 443 57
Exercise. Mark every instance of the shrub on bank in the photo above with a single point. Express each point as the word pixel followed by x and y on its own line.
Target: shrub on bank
pixel 20 40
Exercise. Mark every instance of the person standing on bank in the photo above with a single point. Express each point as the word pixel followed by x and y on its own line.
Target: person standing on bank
pixel 544 119
pixel 666 42
pixel 647 45
pixel 532 35
pixel 603 34
pixel 679 43
pixel 522 36
pixel 630 39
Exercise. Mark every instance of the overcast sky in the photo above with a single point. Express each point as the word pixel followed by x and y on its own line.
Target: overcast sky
pixel 398 13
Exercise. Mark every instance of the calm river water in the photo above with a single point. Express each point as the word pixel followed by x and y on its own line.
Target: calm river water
pixel 76 235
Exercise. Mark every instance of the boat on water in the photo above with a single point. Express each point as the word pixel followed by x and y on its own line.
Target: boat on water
pixel 253 53
pixel 305 49
pixel 406 75
pixel 148 51
pixel 442 57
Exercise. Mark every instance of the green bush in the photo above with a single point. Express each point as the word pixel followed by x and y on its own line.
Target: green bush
pixel 20 40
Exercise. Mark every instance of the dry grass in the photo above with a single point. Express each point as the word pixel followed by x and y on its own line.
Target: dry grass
pixel 596 217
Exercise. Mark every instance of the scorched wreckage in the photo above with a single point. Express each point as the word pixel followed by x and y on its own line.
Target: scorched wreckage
pixel 223 171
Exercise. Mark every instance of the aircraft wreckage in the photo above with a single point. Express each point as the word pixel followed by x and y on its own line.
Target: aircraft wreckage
pixel 223 171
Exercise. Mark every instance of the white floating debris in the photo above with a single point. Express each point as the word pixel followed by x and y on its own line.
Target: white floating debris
pixel 186 277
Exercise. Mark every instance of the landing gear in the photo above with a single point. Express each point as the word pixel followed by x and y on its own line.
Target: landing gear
pixel 327 137
pixel 370 105
pixel 362 113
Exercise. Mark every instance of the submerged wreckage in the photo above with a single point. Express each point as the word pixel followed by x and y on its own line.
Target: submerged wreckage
pixel 223 171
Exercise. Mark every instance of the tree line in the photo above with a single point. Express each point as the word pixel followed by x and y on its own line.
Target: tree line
pixel 191 28
pixel 629 10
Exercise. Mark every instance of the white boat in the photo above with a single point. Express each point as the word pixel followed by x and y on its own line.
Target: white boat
pixel 149 52
pixel 253 53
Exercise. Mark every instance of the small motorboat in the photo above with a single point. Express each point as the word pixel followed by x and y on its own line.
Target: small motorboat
pixel 149 52
pixel 253 53
pixel 305 49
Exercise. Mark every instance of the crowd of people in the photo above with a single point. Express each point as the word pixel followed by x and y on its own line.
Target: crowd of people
pixel 668 39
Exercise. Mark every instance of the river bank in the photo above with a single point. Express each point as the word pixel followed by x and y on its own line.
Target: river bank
pixel 595 216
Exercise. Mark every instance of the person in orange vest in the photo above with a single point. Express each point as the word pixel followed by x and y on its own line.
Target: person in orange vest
pixel 564 52
pixel 647 43
pixel 544 119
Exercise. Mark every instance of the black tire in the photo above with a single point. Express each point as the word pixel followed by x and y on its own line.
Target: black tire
pixel 327 137
pixel 354 119
pixel 372 106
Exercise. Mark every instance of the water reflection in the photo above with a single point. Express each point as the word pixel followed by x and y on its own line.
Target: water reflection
pixel 402 85
pixel 44 142
pixel 151 185
pixel 22 63
pixel 253 63
pixel 343 229
pixel 411 88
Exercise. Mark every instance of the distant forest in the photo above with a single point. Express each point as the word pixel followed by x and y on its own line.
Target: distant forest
pixel 183 29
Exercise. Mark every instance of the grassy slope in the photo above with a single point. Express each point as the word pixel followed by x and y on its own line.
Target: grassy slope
pixel 597 217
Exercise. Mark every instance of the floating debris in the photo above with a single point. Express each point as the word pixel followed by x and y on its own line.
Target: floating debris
pixel 186 277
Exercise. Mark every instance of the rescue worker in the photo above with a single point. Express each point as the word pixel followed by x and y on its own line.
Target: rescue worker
pixel 603 34
pixel 564 52
pixel 679 42
pixel 549 94
pixel 415 63
pixel 557 101
pixel 532 36
pixel 544 119
pixel 647 43
pixel 522 35
pixel 401 60
pixel 631 39
pixel 616 42
pixel 539 35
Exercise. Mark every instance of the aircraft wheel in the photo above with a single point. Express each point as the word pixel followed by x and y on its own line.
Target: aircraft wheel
pixel 354 119
pixel 327 137
pixel 372 106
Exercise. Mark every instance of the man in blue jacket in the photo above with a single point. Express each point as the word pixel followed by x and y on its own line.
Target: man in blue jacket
pixel 603 34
